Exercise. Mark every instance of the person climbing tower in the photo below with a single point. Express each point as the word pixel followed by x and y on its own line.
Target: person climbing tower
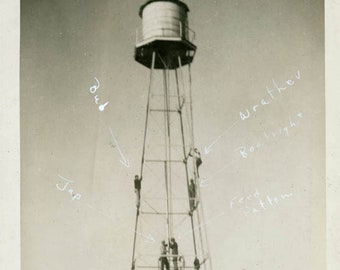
pixel 192 196
pixel 197 263
pixel 138 186
pixel 197 156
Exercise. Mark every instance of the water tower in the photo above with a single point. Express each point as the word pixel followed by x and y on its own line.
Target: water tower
pixel 169 204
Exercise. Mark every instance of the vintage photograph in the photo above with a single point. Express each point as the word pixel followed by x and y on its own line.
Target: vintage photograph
pixel 172 135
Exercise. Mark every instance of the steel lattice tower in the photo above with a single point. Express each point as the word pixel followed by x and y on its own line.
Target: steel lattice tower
pixel 169 204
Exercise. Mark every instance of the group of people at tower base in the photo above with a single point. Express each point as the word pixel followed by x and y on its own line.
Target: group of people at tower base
pixel 164 262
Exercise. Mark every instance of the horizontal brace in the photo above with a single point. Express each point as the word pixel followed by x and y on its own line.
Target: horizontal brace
pixel 164 199
pixel 172 145
pixel 162 110
pixel 172 96
pixel 164 213
pixel 145 266
pixel 162 160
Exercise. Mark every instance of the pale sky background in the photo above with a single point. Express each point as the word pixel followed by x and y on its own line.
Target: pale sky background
pixel 242 46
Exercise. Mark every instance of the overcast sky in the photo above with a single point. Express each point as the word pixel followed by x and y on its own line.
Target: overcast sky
pixel 243 48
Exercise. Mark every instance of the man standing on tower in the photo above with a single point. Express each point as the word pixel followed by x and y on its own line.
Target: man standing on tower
pixel 197 263
pixel 174 252
pixel 192 196
pixel 197 156
pixel 163 258
pixel 138 186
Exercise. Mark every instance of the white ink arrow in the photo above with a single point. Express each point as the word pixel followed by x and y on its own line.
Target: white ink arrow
pixel 124 160
pixel 102 107
pixel 216 173
pixel 148 239
pixel 201 226
pixel 207 149
pixel 202 183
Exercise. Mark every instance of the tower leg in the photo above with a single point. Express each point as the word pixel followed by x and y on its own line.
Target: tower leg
pixel 168 138
pixel 142 162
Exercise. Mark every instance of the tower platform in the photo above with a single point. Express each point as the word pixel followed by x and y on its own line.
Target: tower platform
pixel 168 49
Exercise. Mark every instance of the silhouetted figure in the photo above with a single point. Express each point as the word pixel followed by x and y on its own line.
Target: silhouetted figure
pixel 197 263
pixel 192 196
pixel 138 186
pixel 197 156
pixel 174 252
pixel 163 258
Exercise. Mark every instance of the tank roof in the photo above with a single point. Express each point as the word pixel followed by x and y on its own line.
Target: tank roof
pixel 173 1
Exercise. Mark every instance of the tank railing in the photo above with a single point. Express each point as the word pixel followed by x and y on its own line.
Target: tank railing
pixel 180 29
pixel 183 32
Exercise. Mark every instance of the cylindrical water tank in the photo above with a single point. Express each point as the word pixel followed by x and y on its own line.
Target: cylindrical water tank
pixel 164 18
